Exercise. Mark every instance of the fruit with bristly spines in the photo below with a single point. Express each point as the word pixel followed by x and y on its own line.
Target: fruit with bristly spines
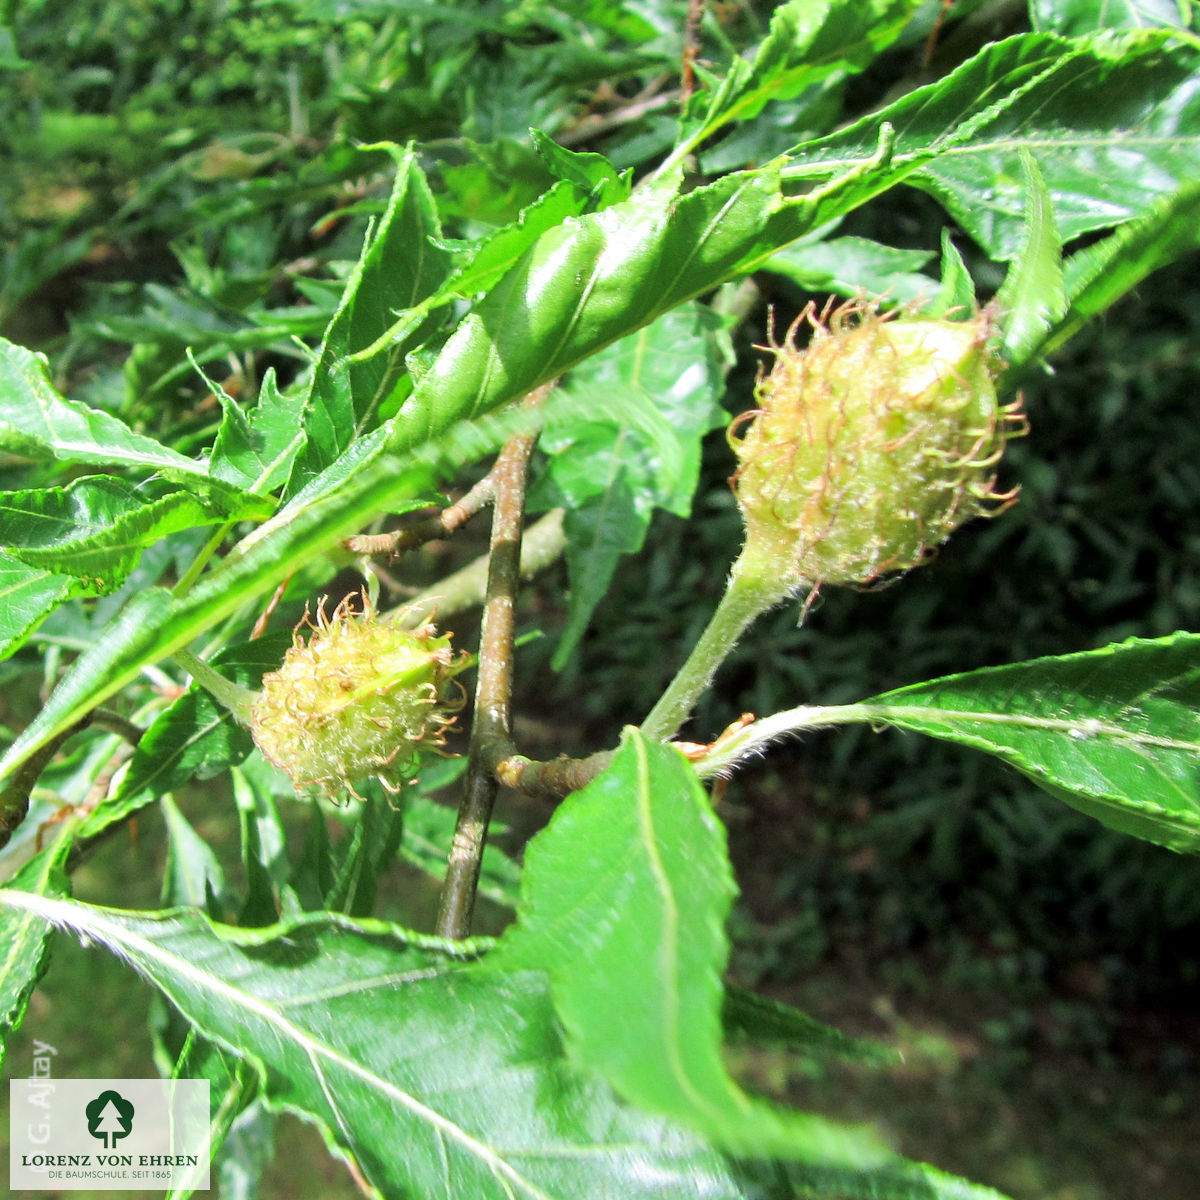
pixel 868 448
pixel 360 698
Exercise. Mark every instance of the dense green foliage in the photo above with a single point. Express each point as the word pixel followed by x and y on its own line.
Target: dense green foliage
pixel 275 274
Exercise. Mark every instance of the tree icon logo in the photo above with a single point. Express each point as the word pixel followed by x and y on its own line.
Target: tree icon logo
pixel 109 1118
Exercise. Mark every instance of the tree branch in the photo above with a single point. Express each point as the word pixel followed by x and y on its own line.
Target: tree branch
pixel 549 780
pixel 14 797
pixel 448 521
pixel 113 722
pixel 595 124
pixel 691 48
pixel 492 723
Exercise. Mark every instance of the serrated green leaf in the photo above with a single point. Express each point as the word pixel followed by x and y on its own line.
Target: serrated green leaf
pixel 366 1034
pixel 585 182
pixel 269 893
pixel 598 536
pixel 956 296
pixel 582 285
pixel 1074 18
pixel 245 1154
pixel 909 1181
pixel 314 875
pixel 154 624
pixel 401 265
pixel 633 445
pixel 808 40
pixel 1113 732
pixel 633 869
pixel 1114 123
pixel 27 596
pixel 1032 298
pixel 591 280
pixel 35 421
pixel 593 174
pixel 765 1020
pixel 175 328
pixel 256 451
pixel 496 181
pixel 94 529
pixel 24 940
pixel 490 257
pixel 1099 275
pixel 374 841
pixel 232 1086
pixel 193 877
pixel 853 266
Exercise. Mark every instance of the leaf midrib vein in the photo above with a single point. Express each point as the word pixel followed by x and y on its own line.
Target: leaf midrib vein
pixel 152 952
pixel 1090 726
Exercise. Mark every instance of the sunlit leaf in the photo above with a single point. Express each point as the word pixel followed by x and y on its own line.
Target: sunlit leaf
pixel 194 738
pixel 582 285
pixel 401 265
pixel 623 900
pixel 589 281
pixel 1114 732
pixel 94 529
pixel 1097 276
pixel 808 41
pixel 356 1028
pixel 153 623
pixel 27 596
pixel 194 878
pixel 374 841
pixel 24 938
pixel 593 174
pixel 956 296
pixel 1032 298
pixel 487 260
pixel 35 421
pixel 255 451
pixel 1113 122
pixel 269 892
pixel 1077 17
pixel 852 266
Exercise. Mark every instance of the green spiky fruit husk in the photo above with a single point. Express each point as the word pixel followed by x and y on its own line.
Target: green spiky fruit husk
pixel 868 448
pixel 360 698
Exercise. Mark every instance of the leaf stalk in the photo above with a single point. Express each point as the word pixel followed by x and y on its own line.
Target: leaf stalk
pixel 233 696
pixel 746 596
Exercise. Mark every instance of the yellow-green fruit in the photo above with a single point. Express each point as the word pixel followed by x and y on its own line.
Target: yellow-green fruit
pixel 869 447
pixel 359 698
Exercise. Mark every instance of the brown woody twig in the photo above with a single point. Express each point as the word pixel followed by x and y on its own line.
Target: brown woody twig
pixel 492 723
pixel 691 48
pixel 444 523
pixel 549 780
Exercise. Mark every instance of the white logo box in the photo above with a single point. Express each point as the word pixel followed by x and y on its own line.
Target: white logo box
pixel 108 1134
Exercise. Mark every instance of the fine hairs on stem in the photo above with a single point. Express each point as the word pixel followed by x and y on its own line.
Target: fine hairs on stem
pixel 746 596
pixel 233 696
